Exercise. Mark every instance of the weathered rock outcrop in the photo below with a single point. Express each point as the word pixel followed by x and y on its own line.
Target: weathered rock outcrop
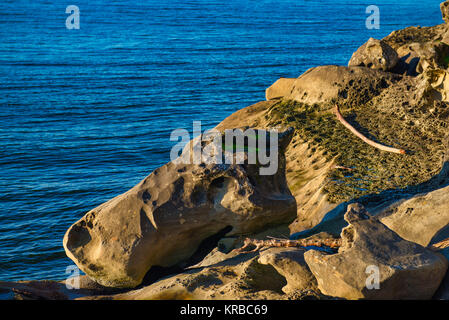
pixel 375 54
pixel 236 277
pixel 424 52
pixel 392 109
pixel 281 88
pixel 411 100
pixel 80 286
pixel 327 83
pixel 444 6
pixel 394 91
pixel 276 273
pixel 290 263
pixel 419 44
pixel 420 218
pixel 306 167
pixel 163 220
pixel 406 270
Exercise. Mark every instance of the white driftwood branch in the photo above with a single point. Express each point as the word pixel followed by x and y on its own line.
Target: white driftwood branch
pixel 365 139
pixel 259 244
pixel 330 243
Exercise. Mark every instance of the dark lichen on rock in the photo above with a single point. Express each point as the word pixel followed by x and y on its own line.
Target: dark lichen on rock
pixel 372 170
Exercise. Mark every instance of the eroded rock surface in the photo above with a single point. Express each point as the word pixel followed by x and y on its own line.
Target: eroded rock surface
pixel 375 54
pixel 237 277
pixel 420 218
pixel 326 83
pixel 444 6
pixel 424 52
pixel 272 273
pixel 406 269
pixel 397 102
pixel 75 287
pixel 290 263
pixel 163 219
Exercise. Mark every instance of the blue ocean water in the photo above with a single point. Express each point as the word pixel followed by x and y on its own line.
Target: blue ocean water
pixel 86 114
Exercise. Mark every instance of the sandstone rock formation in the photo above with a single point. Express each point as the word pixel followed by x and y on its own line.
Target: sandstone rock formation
pixel 406 269
pixel 444 6
pixel 425 52
pixel 396 92
pixel 281 88
pixel 327 83
pixel 163 220
pixel 53 290
pixel 414 93
pixel 290 263
pixel 236 277
pixel 419 218
pixel 424 217
pixel 277 273
pixel 375 54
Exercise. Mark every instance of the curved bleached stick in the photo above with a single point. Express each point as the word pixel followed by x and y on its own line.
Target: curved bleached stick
pixel 365 139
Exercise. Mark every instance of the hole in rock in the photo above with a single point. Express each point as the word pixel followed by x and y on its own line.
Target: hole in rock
pixel 218 183
pixel 205 247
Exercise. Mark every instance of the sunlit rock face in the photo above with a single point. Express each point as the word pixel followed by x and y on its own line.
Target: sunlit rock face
pixel 376 263
pixel 162 220
pixel 375 54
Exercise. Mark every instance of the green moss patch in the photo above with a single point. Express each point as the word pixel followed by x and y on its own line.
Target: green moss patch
pixel 373 170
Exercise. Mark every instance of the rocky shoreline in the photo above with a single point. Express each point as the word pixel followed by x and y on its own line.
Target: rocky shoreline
pixel 175 234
